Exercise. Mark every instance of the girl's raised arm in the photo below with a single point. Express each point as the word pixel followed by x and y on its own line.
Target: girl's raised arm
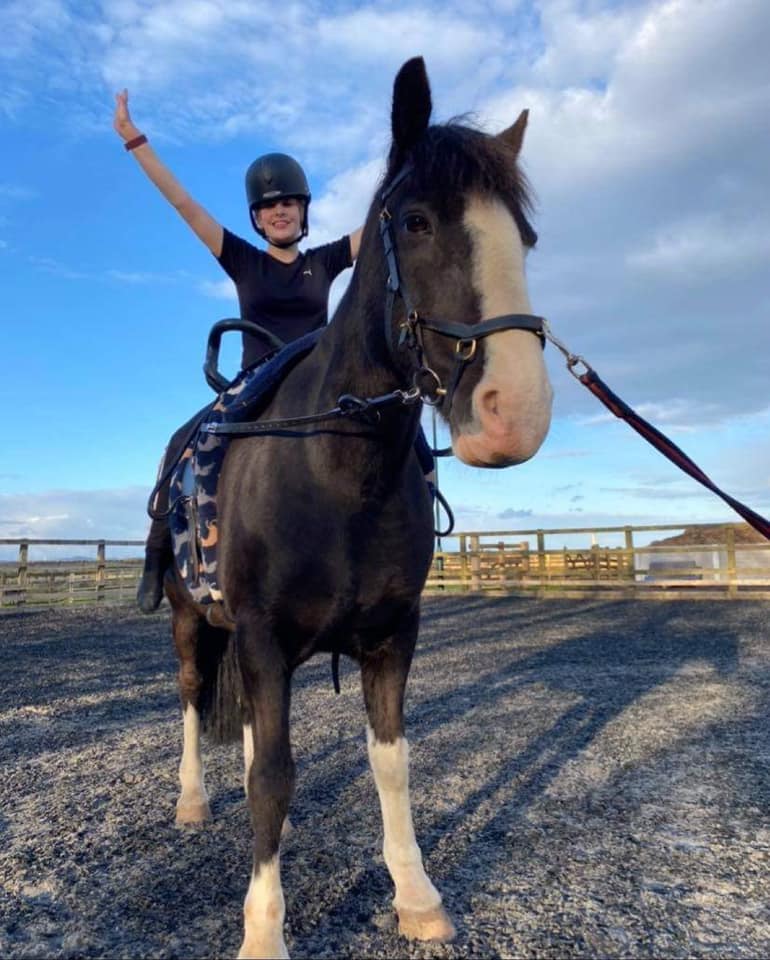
pixel 201 222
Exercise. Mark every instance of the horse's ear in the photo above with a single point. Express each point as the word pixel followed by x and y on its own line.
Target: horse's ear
pixel 513 137
pixel 411 107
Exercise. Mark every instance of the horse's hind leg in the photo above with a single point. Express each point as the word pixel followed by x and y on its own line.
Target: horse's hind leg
pixel 417 902
pixel 266 683
pixel 193 803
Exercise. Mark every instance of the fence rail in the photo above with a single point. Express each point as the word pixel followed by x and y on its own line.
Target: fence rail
pixel 534 562
pixel 34 582
pixel 527 562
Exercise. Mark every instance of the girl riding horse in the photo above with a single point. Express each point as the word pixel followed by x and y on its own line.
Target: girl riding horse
pixel 281 289
pixel 325 532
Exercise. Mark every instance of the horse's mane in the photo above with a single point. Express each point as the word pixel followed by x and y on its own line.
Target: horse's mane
pixel 451 159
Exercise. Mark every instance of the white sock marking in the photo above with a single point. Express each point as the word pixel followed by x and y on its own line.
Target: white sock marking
pixel 263 913
pixel 191 765
pixel 390 765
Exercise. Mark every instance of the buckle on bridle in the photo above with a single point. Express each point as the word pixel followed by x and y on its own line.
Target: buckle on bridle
pixel 465 350
pixel 407 336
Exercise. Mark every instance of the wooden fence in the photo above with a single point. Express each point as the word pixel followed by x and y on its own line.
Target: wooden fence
pixel 537 562
pixel 33 581
pixel 569 562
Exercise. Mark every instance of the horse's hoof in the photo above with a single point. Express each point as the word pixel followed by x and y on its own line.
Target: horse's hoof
pixel 426 925
pixel 191 813
pixel 263 949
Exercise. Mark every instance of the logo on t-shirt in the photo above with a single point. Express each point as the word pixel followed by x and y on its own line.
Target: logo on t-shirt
pixel 307 272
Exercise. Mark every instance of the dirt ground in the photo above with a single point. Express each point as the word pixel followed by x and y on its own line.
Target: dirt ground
pixel 589 779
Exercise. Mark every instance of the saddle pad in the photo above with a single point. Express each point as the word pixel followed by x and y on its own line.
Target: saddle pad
pixel 193 484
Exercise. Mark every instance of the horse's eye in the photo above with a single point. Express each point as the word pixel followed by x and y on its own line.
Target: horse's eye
pixel 416 223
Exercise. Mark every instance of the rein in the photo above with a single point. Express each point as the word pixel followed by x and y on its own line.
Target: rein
pixel 348 405
pixel 591 379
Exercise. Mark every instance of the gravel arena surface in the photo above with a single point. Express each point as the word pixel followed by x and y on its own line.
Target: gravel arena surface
pixel 589 779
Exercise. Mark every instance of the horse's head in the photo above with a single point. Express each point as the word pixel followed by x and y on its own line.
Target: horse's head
pixel 454 206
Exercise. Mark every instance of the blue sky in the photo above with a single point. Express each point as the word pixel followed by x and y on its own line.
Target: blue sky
pixel 648 148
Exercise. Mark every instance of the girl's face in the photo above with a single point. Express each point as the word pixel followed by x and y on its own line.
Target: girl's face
pixel 281 220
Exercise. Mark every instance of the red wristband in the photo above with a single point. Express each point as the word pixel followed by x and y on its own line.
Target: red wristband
pixel 136 142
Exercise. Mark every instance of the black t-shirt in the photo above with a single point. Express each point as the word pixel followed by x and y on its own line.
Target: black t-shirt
pixel 289 299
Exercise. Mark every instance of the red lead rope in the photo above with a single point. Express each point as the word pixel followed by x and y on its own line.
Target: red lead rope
pixel 652 435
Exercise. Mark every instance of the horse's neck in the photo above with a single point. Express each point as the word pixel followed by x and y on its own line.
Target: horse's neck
pixel 351 355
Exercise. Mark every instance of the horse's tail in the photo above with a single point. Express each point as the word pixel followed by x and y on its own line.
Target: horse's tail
pixel 221 695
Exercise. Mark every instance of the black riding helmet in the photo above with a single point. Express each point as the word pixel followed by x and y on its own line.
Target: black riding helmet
pixel 272 177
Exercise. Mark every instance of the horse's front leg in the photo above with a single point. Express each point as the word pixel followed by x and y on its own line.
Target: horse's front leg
pixel 248 759
pixel 270 786
pixel 417 902
pixel 193 803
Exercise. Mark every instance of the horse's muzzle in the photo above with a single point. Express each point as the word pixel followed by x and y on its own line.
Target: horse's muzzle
pixel 508 425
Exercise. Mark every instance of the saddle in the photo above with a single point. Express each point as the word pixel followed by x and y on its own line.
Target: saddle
pixel 193 482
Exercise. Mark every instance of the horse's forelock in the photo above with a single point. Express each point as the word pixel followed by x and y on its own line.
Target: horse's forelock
pixel 453 159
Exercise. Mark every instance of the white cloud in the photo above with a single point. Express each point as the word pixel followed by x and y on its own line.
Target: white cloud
pixel 650 84
pixel 673 414
pixel 344 203
pixel 65 514
pixel 581 45
pixel 139 278
pixel 705 245
pixel 372 34
pixel 219 289
pixel 57 269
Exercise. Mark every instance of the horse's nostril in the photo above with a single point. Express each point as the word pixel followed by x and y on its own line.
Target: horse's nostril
pixel 489 402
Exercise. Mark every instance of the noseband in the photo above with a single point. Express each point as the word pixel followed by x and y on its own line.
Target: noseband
pixel 466 335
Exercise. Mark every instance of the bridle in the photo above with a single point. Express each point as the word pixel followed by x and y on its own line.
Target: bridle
pixel 466 335
pixel 426 384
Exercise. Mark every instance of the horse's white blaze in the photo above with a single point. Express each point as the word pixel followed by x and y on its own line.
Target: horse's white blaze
pixel 248 755
pixel 390 765
pixel 263 913
pixel 511 404
pixel 193 802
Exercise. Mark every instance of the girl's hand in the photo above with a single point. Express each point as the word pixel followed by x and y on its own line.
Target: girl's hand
pixel 122 120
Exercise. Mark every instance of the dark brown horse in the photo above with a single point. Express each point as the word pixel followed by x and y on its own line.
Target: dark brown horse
pixel 325 532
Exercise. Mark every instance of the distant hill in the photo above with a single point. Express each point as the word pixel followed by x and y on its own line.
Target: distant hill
pixel 697 536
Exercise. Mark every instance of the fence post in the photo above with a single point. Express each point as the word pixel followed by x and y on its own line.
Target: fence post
pixel 23 574
pixel 463 561
pixel 732 569
pixel 541 570
pixel 630 559
pixel 438 565
pixel 101 574
pixel 596 562
pixel 475 564
pixel 503 568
